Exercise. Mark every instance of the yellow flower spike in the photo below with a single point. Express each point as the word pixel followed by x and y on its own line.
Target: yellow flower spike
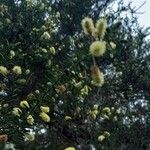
pixel 24 104
pixel 98 48
pixel 97 76
pixel 88 26
pixel 70 148
pixel 17 70
pixel 101 27
pixel 16 111
pixel 45 109
pixel 67 118
pixel 30 120
pixel 44 117
pixel 101 138
pixel 52 50
pixel 3 70
pixel 113 45
pixel 29 136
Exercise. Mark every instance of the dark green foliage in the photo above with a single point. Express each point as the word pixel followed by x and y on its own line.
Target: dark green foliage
pixel 126 69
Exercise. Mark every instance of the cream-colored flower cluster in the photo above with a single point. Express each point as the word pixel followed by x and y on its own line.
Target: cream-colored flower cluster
pixel 30 120
pixel 97 30
pixel 98 48
pixel 88 26
pixel 3 70
pixel 43 114
pixel 98 45
pixel 29 136
pixel 97 76
pixel 17 111
pixel 16 70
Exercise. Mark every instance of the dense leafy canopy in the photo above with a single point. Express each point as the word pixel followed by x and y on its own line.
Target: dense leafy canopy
pixel 45 76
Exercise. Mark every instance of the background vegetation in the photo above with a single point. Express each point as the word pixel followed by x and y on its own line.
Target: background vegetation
pixel 46 40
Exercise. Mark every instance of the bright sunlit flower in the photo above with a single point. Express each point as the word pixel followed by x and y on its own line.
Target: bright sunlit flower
pixel 24 104
pixel 95 107
pixel 16 111
pixel 27 71
pixel 88 26
pixel 3 70
pixel 12 54
pixel 67 118
pixel 45 109
pixel 29 136
pixel 17 70
pixel 101 138
pixel 52 50
pixel 97 76
pixel 98 48
pixel 30 120
pixel 44 117
pixel 101 26
pixel 113 45
pixel 70 148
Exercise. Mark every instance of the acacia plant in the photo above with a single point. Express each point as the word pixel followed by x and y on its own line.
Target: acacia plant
pixel 73 75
